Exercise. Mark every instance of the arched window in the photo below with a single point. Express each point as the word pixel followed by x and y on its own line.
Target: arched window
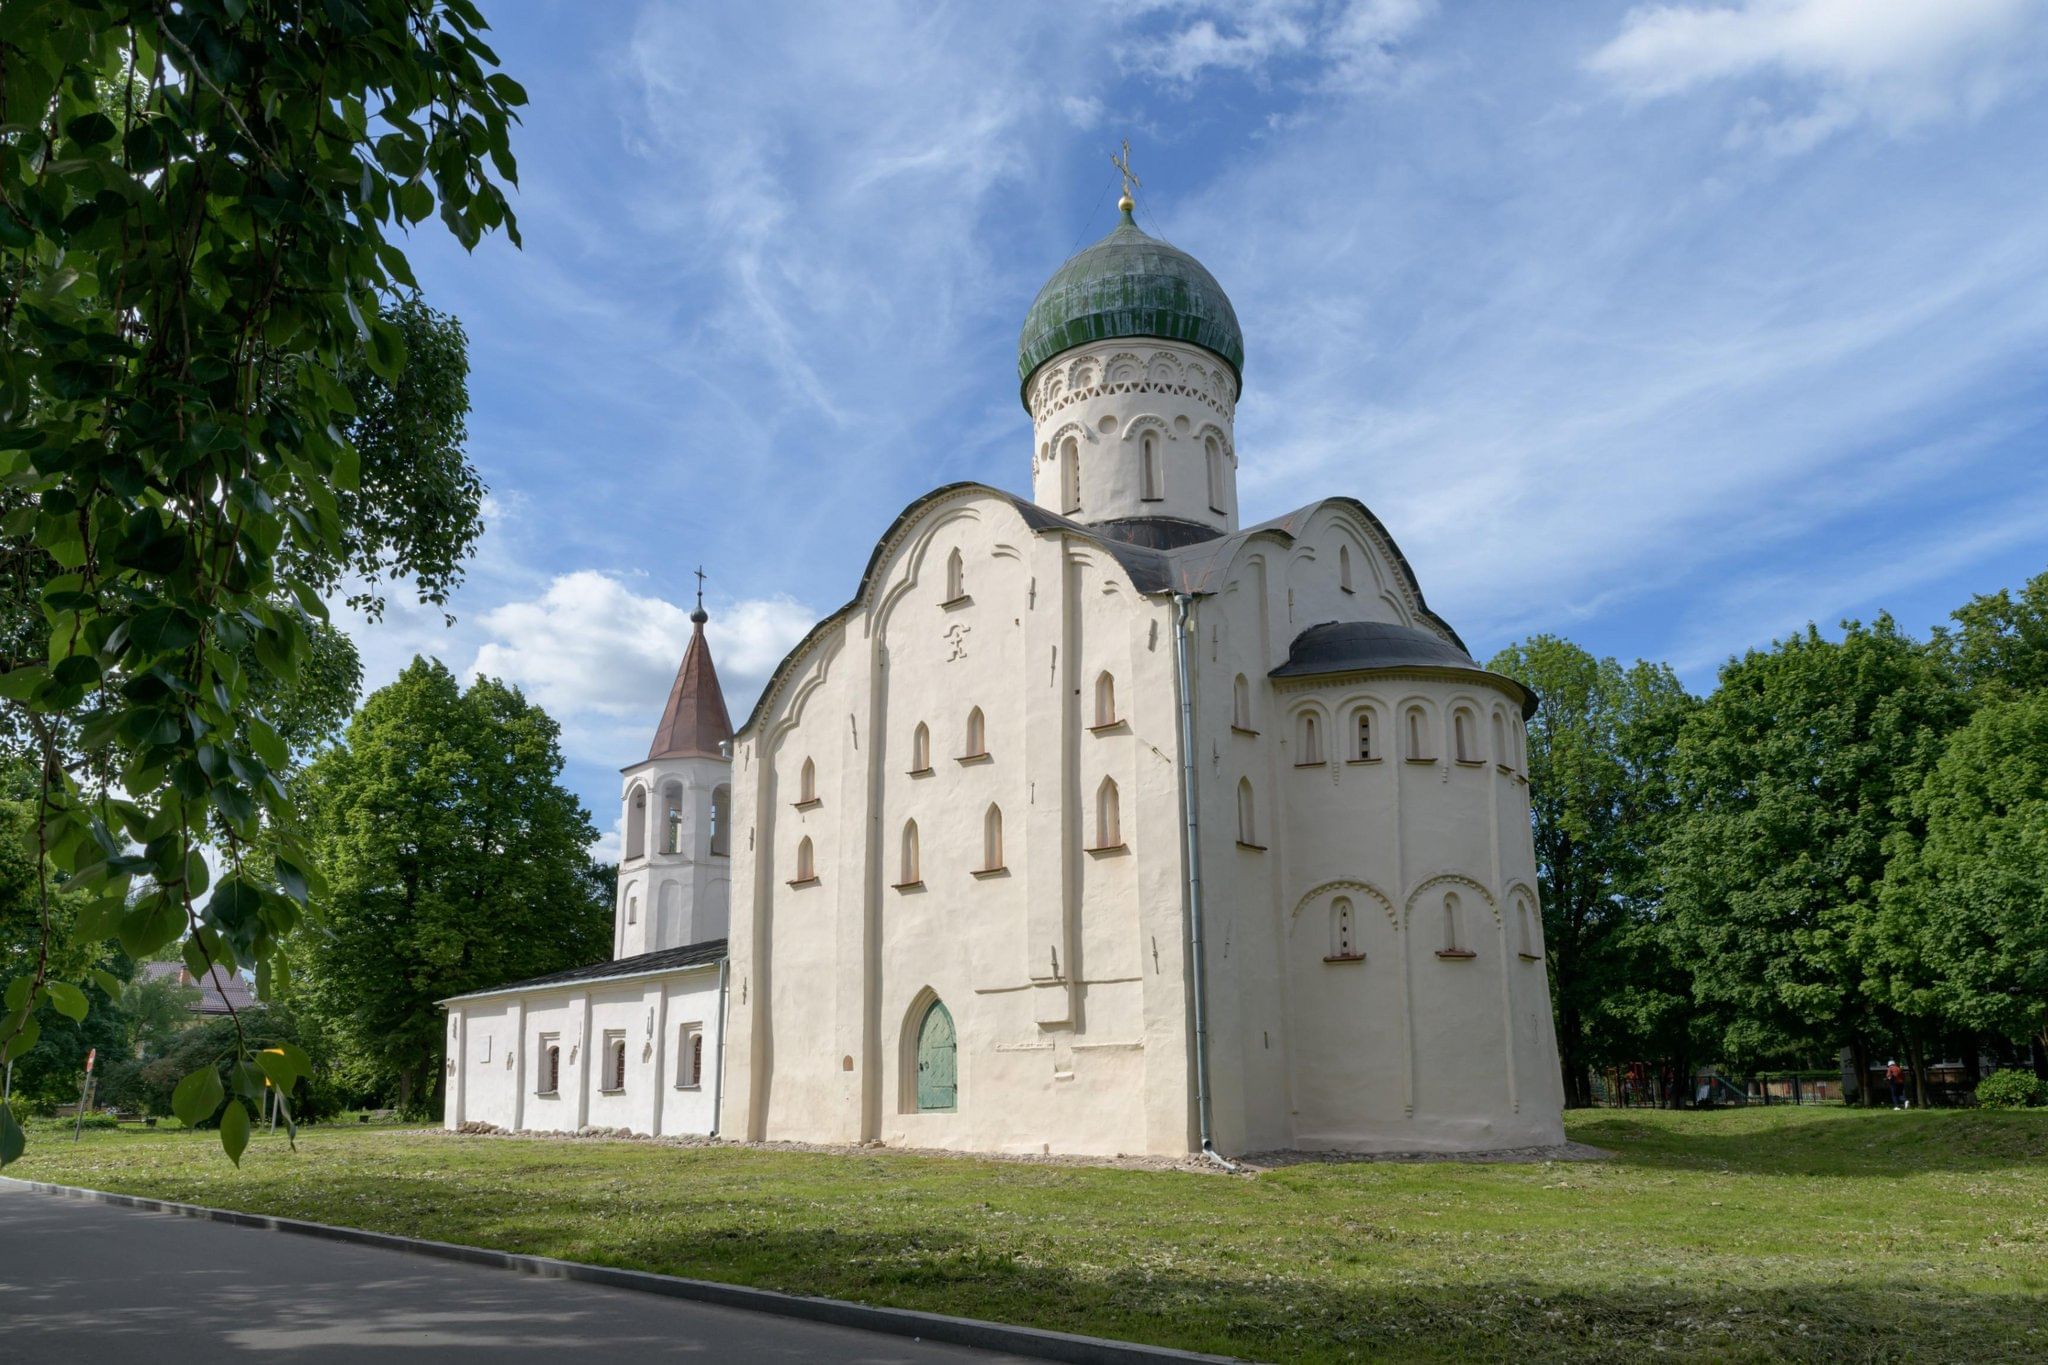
pixel 1152 483
pixel 1453 942
pixel 921 748
pixel 1070 476
pixel 807 783
pixel 1343 941
pixel 977 735
pixel 721 822
pixel 632 907
pixel 636 824
pixel 1361 734
pixel 672 818
pixel 1344 568
pixel 1525 926
pixel 1501 754
pixel 615 1064
pixel 1462 734
pixel 1247 814
pixel 1218 479
pixel 907 870
pixel 992 839
pixel 1241 703
pixel 806 864
pixel 550 1068
pixel 1109 831
pixel 1418 735
pixel 690 1056
pixel 956 577
pixel 1105 700
pixel 1309 740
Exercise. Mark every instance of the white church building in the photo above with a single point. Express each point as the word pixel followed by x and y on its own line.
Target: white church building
pixel 1095 822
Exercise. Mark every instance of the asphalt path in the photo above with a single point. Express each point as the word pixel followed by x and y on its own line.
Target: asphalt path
pixel 81 1280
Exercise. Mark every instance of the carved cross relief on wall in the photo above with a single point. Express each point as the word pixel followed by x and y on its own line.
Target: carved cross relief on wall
pixel 956 636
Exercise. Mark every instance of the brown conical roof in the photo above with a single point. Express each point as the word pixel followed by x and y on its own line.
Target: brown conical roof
pixel 694 723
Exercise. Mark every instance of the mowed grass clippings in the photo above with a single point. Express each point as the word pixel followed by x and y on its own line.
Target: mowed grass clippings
pixel 1796 1234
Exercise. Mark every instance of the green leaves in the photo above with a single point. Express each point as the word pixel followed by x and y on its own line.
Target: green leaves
pixel 197 1097
pixel 234 1131
pixel 196 228
pixel 67 1000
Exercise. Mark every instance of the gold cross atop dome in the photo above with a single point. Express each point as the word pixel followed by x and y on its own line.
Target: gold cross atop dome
pixel 1123 163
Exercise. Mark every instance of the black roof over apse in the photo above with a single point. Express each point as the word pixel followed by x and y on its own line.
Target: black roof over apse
pixel 1368 646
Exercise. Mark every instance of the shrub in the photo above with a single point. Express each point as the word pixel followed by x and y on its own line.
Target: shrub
pixel 2012 1088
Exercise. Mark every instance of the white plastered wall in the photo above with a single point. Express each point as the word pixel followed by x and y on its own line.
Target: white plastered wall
pixel 1063 971
pixel 497 1044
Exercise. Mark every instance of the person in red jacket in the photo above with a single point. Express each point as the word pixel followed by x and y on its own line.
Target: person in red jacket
pixel 1895 1075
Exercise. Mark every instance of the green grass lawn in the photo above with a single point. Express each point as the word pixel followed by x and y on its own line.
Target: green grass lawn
pixel 1747 1234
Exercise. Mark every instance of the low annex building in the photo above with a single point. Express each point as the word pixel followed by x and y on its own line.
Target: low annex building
pixel 1094 822
pixel 635 1042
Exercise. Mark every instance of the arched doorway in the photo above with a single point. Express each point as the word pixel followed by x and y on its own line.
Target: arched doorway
pixel 938 1088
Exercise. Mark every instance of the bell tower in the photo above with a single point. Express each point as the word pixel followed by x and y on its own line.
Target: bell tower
pixel 674 869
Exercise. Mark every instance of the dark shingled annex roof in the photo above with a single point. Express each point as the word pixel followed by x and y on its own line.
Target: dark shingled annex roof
pixel 1370 646
pixel 646 964
pixel 694 724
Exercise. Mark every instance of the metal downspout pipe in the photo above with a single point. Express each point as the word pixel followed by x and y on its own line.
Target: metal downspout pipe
pixel 1191 852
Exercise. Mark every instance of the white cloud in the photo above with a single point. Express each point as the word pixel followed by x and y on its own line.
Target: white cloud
pixel 600 657
pixel 1896 63
pixel 1348 43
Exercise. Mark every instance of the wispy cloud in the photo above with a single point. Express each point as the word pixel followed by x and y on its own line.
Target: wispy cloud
pixel 1836 63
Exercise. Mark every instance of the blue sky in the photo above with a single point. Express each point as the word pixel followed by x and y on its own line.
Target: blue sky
pixel 1667 328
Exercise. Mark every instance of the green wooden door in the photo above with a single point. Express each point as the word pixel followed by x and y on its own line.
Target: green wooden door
pixel 937 1087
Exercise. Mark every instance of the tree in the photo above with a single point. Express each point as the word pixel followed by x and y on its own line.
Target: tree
pixel 185 284
pixel 1598 746
pixel 1999 646
pixel 455 861
pixel 1964 930
pixel 1793 774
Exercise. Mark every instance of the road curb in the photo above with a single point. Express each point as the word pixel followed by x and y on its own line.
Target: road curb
pixel 901 1322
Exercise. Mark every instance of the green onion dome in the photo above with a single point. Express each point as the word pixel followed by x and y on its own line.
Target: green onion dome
pixel 1130 285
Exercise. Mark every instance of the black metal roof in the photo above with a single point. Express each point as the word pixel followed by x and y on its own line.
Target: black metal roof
pixel 662 960
pixel 1367 646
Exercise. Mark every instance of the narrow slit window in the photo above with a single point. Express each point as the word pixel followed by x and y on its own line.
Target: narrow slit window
pixel 977 735
pixel 1247 814
pixel 1108 816
pixel 1525 923
pixel 1105 700
pixel 1309 739
pixel 1070 475
pixel 550 1067
pixel 992 839
pixel 1344 568
pixel 1363 735
pixel 806 864
pixel 1343 942
pixel 956 577
pixel 1500 734
pixel 907 868
pixel 1418 734
pixel 1217 478
pixel 615 1064
pixel 1461 731
pixel 690 1056
pixel 1153 486
pixel 807 782
pixel 633 908
pixel 1241 703
pixel 921 748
